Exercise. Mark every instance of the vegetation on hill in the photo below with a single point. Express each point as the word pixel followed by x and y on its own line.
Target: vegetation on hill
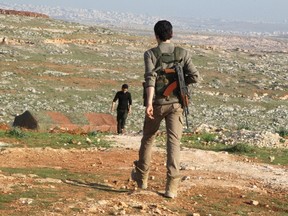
pixel 52 65
pixel 49 64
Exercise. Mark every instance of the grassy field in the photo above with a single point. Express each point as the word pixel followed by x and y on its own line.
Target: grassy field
pixel 205 141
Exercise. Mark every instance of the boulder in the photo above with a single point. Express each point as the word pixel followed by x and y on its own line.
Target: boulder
pixel 26 120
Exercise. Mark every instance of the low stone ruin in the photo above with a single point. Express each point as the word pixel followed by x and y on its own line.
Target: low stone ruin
pixel 49 120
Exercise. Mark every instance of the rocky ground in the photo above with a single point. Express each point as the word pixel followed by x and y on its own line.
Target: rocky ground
pixel 212 184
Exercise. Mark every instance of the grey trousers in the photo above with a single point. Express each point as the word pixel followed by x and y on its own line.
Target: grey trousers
pixel 172 113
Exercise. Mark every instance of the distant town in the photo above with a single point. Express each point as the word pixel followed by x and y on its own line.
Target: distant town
pixel 142 22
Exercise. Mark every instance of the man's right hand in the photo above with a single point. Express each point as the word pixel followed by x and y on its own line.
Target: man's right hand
pixel 149 107
pixel 149 111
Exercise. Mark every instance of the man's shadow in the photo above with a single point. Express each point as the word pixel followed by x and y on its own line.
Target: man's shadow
pixel 94 186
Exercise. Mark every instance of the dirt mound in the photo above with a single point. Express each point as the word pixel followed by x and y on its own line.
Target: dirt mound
pixel 22 13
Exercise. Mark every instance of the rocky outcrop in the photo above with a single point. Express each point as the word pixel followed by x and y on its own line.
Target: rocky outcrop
pixel 254 138
pixel 26 120
pixel 22 13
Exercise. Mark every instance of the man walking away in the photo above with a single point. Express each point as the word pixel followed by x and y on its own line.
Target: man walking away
pixel 124 107
pixel 163 102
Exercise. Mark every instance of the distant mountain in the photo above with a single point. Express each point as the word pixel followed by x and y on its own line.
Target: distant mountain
pixel 132 21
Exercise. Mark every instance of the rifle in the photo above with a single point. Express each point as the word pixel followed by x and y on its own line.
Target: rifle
pixel 184 94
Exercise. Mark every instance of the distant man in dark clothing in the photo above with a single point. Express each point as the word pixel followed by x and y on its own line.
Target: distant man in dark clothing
pixel 124 107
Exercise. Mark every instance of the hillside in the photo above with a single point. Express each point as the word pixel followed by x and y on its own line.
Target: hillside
pixel 52 65
pixel 49 64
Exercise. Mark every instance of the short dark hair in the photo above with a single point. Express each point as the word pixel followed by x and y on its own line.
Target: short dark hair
pixel 124 86
pixel 164 30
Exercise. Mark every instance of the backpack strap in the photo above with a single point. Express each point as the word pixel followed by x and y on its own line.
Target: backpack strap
pixel 177 52
pixel 158 54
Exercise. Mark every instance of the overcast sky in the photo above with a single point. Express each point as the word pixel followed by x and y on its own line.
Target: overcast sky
pixel 255 10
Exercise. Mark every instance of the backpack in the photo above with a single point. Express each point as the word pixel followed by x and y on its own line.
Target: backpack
pixel 166 81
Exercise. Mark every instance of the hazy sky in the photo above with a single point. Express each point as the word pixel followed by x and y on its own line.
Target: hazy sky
pixel 258 10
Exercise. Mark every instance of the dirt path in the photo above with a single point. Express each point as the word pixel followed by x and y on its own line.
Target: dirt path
pixel 215 162
pixel 213 183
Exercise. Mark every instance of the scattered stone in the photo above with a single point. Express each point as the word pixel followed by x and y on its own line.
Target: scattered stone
pixel 49 180
pixel 122 212
pixel 26 201
pixel 271 158
pixel 2 144
pixel 142 206
pixel 186 178
pixel 33 176
pixel 158 211
pixel 89 141
pixel 93 209
pixel 254 202
pixel 19 175
pixel 102 202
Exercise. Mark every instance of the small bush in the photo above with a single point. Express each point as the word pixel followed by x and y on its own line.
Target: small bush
pixel 16 132
pixel 244 126
pixel 92 134
pixel 207 137
pixel 241 148
pixel 283 132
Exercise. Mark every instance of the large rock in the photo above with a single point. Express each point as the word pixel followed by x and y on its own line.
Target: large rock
pixel 26 120
pixel 48 120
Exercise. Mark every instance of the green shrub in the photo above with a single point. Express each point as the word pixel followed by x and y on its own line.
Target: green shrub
pixel 208 137
pixel 244 126
pixel 16 132
pixel 241 148
pixel 283 132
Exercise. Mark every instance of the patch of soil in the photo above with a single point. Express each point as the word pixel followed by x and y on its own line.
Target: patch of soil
pixel 212 184
pixel 59 118
pixel 4 127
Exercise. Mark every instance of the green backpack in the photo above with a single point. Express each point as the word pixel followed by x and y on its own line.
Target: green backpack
pixel 166 81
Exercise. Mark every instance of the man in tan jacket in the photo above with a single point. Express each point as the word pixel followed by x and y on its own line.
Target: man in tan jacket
pixel 161 106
